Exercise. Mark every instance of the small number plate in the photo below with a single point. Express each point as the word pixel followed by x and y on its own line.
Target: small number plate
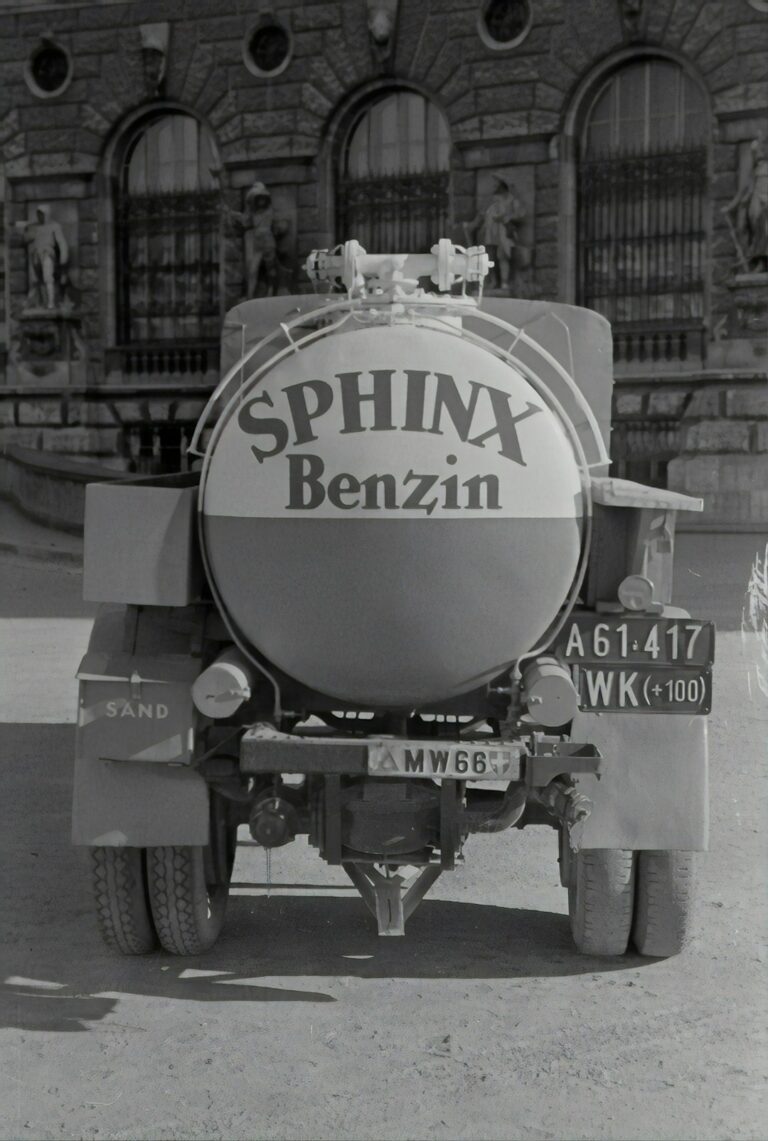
pixel 644 689
pixel 620 638
pixel 471 761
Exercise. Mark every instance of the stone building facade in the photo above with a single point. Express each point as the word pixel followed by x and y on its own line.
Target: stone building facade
pixel 161 160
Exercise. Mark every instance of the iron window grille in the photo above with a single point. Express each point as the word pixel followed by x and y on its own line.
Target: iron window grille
pixel 642 244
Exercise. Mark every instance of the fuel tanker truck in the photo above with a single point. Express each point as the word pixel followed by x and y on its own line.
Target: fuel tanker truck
pixel 396 603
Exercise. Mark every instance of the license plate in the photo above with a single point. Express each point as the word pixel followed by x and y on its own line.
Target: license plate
pixel 644 689
pixel 471 761
pixel 642 640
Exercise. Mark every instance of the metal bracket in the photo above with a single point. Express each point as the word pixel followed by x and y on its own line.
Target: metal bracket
pixel 559 758
pixel 384 897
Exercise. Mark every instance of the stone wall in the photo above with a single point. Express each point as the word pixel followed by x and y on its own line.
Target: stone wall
pixel 725 455
pixel 515 110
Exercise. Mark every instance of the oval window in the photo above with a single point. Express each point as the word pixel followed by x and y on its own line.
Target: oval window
pixel 48 70
pixel 504 23
pixel 267 48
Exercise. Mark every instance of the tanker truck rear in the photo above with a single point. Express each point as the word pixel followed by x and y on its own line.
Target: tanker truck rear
pixel 400 604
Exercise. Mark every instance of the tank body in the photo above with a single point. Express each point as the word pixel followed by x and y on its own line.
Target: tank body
pixel 391 516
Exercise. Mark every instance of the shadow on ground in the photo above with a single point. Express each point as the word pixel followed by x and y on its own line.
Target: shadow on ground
pixel 58 987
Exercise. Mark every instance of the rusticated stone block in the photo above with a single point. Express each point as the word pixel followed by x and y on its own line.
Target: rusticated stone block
pixel 548 98
pixel 269 122
pixel 504 123
pixel 130 411
pixel 548 200
pixel 7 412
pixel 81 441
pixel 325 78
pixel 57 115
pixel 681 20
pixel 99 42
pixel 747 401
pixel 760 438
pixel 546 256
pixel 628 404
pixel 306 17
pixel 464 106
pixel 189 410
pixel 96 16
pixel 230 130
pixel 315 102
pixel 543 122
pixel 666 403
pixel 93 120
pixel 547 228
pixel 705 402
pixel 21 437
pixel 733 507
pixel 90 413
pixel 718 436
pixel 494 72
pixel 158 409
pixel 517 95
pixel 752 35
pixel 700 33
pixel 468 130
pixel 199 70
pixel 39 412
pixel 224 109
pixel 694 474
pixel 743 473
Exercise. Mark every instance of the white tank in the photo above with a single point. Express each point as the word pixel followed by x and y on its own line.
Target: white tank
pixel 391 515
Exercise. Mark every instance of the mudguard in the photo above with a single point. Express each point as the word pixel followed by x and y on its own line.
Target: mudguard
pixel 653 789
pixel 133 783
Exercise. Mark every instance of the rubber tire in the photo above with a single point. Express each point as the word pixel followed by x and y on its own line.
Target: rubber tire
pixel 188 911
pixel 118 879
pixel 664 906
pixel 601 900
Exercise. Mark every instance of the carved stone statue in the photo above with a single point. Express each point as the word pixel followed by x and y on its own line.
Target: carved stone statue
pixel 48 257
pixel 154 55
pixel 262 231
pixel 382 22
pixel 747 212
pixel 498 229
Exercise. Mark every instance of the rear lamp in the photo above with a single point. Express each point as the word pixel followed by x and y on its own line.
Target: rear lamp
pixel 636 592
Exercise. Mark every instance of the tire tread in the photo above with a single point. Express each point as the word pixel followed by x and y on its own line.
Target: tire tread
pixel 601 901
pixel 122 908
pixel 176 889
pixel 664 913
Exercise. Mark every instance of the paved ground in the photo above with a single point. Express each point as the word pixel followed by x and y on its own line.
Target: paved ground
pixel 301 1023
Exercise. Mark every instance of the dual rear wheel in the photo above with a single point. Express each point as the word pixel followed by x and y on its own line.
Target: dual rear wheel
pixel 172 896
pixel 617 897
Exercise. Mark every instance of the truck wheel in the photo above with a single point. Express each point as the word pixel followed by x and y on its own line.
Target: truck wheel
pixel 664 908
pixel 120 890
pixel 601 900
pixel 188 904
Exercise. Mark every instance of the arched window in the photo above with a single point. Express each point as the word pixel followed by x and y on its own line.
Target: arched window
pixel 168 216
pixel 641 210
pixel 393 184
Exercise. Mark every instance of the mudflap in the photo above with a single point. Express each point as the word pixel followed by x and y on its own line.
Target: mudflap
pixel 119 803
pixel 134 784
pixel 653 792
